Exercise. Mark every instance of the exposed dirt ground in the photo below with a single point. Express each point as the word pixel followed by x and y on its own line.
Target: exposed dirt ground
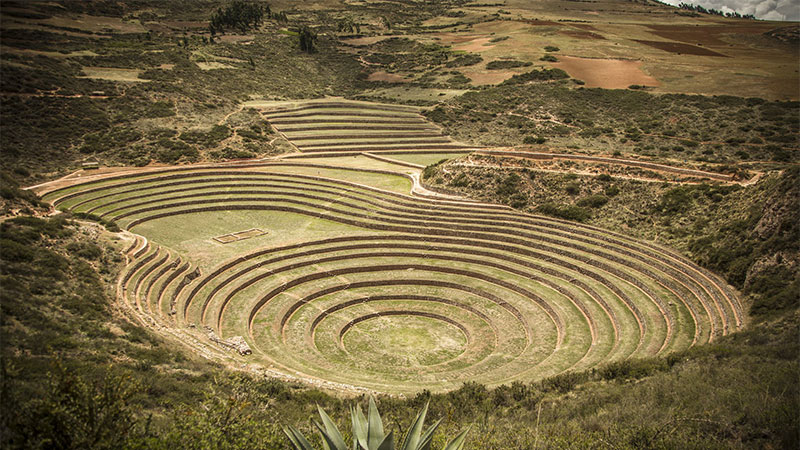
pixel 605 73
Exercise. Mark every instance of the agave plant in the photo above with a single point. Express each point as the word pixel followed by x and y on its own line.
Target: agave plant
pixel 368 433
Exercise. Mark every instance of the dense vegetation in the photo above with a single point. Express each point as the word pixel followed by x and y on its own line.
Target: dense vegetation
pixel 240 15
pixel 720 129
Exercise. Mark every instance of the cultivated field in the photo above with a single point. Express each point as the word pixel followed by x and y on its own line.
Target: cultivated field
pixel 351 283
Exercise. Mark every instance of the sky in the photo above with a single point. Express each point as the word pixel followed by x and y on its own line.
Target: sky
pixel 762 9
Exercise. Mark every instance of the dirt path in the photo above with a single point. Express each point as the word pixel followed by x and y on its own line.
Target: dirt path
pixel 43 94
pixel 578 172
pixel 393 161
pixel 608 160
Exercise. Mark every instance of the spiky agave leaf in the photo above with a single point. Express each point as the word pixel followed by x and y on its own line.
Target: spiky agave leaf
pixel 299 442
pixel 414 439
pixel 368 433
pixel 427 438
pixel 387 443
pixel 458 442
pixel 360 436
pixel 375 435
pixel 333 438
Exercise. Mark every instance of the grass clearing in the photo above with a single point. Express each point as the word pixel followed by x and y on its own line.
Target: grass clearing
pixel 113 74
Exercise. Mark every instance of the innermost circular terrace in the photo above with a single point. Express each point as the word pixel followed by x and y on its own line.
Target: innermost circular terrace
pixel 409 340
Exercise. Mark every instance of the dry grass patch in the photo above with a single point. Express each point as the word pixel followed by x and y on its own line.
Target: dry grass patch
pixel 582 34
pixel 96 24
pixel 475 45
pixel 368 40
pixel 386 76
pixel 212 65
pixel 234 38
pixel 113 74
pixel 481 78
pixel 25 51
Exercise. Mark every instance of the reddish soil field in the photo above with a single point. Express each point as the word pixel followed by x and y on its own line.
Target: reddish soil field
pixel 680 48
pixel 540 22
pixel 709 35
pixel 690 34
pixel 605 73
pixel 584 26
pixel 456 38
pixel 581 34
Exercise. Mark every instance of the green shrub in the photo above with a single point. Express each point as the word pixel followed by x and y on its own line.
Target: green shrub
pixel 509 186
pixel 612 190
pixel 605 178
pixel 548 58
pixel 531 140
pixel 518 200
pixel 777 288
pixel 781 155
pixel 564 382
pixel 431 170
pixel 458 79
pixel 76 412
pixel 536 75
pixel 567 212
pixel 507 64
pixel 462 180
pixel 86 250
pixel 593 201
pixel 160 109
pixel 469 59
pixel 676 200
pixel 572 188
pixel 634 369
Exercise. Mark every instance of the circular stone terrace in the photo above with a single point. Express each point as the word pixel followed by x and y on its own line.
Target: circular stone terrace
pixel 332 273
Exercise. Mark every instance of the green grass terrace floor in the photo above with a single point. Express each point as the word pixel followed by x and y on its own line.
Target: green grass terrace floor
pixel 348 279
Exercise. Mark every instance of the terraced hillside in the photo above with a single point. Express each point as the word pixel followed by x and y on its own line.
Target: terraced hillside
pixel 352 282
pixel 348 126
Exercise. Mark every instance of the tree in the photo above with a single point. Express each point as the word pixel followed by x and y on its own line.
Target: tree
pixel 307 40
pixel 240 15
pixel 368 433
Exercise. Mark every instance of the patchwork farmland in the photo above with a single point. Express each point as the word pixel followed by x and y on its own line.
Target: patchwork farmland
pixel 355 284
